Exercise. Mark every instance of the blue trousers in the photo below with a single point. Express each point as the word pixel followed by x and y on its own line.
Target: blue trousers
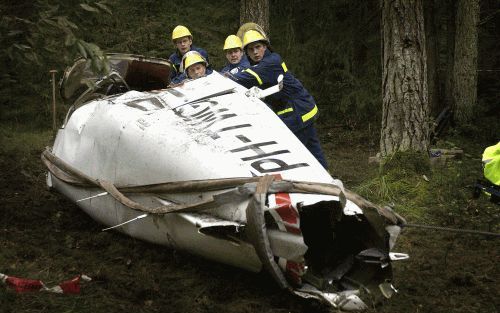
pixel 309 138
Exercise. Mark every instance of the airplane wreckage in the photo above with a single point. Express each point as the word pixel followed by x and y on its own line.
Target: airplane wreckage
pixel 208 168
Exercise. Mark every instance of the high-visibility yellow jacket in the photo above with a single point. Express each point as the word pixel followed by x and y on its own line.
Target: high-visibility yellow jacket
pixel 491 162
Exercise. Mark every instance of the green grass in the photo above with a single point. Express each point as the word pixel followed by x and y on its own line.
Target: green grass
pixel 21 140
pixel 440 195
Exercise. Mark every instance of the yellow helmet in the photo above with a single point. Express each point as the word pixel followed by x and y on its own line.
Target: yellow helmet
pixel 180 31
pixel 232 41
pixel 253 36
pixel 192 57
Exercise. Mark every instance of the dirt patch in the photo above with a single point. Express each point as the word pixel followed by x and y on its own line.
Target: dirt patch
pixel 44 236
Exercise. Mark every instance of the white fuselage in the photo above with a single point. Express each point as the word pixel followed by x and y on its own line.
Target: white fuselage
pixel 180 134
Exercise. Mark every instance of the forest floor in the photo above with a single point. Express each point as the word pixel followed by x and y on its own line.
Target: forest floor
pixel 44 236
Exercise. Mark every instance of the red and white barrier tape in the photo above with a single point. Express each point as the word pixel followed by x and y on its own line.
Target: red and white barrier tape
pixel 287 218
pixel 21 285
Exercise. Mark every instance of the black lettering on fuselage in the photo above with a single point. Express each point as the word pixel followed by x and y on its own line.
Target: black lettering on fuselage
pixel 175 92
pixel 278 165
pixel 215 135
pixel 206 114
pixel 137 103
pixel 259 153
pixel 243 138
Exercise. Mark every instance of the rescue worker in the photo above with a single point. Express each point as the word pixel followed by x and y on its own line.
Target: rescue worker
pixel 491 171
pixel 293 104
pixel 491 163
pixel 236 59
pixel 193 66
pixel 183 41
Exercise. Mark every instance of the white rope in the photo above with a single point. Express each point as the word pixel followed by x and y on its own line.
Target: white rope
pixel 126 222
pixel 94 196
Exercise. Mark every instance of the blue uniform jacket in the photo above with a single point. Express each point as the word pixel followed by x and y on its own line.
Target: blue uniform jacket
pixel 236 68
pixel 176 58
pixel 293 104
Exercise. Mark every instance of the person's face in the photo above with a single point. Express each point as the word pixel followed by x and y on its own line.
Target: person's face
pixel 234 55
pixel 255 51
pixel 196 70
pixel 183 44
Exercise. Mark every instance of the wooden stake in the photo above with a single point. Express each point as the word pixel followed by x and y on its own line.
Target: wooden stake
pixel 53 73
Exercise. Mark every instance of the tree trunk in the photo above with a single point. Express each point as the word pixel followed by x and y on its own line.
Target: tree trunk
pixel 256 11
pixel 432 57
pixel 405 109
pixel 450 52
pixel 465 65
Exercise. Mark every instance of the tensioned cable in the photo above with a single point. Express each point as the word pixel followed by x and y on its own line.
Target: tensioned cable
pixel 456 230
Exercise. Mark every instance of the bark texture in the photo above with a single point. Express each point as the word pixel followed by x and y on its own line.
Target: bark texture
pixel 465 65
pixel 432 57
pixel 256 11
pixel 450 51
pixel 405 123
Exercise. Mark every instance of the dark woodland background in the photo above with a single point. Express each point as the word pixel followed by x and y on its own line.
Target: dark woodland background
pixel 334 48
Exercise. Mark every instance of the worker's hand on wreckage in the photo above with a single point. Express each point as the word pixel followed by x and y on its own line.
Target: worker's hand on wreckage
pixel 253 92
pixel 173 85
pixel 229 75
